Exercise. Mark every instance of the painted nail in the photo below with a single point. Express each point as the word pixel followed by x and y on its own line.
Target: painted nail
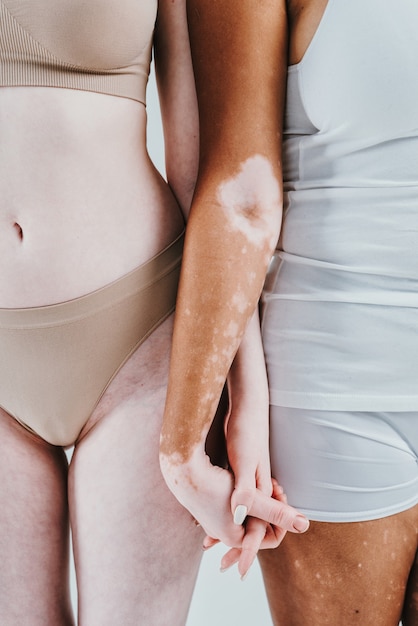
pixel 240 514
pixel 301 524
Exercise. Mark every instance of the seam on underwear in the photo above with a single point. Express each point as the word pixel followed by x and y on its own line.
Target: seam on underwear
pixel 344 517
pixel 346 401
pixel 297 259
pixel 167 270
pixel 333 298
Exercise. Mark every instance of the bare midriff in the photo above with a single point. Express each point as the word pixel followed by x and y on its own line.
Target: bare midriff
pixel 81 204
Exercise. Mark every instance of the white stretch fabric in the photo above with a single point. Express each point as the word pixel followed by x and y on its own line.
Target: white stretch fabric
pixel 346 466
pixel 340 315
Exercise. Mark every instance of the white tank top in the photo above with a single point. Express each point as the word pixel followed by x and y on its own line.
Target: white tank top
pixel 341 301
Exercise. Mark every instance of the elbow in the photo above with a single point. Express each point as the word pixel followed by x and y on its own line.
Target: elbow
pixel 251 201
pixel 182 188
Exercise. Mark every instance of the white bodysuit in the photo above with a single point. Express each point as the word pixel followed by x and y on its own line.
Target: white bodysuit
pixel 340 304
pixel 340 320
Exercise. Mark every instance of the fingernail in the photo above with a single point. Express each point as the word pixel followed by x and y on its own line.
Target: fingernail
pixel 244 576
pixel 240 514
pixel 224 569
pixel 301 524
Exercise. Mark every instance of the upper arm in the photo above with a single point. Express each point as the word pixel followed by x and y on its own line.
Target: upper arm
pixel 239 50
pixel 175 81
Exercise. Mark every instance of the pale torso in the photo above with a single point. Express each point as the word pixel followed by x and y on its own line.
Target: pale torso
pixel 80 202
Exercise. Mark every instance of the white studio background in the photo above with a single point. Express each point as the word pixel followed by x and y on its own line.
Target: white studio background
pixel 219 598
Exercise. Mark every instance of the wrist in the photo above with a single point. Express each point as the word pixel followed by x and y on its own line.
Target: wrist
pixel 180 472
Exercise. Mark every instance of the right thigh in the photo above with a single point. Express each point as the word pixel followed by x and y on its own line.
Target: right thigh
pixel 137 551
pixel 34 533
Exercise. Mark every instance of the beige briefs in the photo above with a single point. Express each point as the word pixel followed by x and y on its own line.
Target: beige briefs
pixel 57 360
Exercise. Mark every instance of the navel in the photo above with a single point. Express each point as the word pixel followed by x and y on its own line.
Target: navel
pixel 19 231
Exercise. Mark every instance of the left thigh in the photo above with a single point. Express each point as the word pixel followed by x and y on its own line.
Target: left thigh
pixel 137 551
pixel 343 573
pixel 410 609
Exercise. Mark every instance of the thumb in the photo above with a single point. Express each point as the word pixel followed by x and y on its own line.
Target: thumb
pixel 242 501
pixel 277 513
pixel 245 489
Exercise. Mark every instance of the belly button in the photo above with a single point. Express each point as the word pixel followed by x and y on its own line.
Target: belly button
pixel 19 230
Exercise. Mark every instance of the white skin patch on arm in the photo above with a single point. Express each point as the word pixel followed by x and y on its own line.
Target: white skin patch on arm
pixel 231 330
pixel 247 196
pixel 239 300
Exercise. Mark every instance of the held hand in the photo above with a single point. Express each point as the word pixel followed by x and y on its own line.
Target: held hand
pixel 266 530
pixel 205 490
pixel 257 499
pixel 272 509
pixel 255 492
pixel 257 504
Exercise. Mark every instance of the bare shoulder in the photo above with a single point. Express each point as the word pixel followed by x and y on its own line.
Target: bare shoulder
pixel 239 50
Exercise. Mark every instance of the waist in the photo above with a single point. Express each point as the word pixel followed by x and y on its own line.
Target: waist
pixel 58 265
pixel 81 203
pixel 307 280
pixel 369 231
pixel 59 143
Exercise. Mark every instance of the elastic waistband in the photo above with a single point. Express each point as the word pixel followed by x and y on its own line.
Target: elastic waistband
pixel 139 279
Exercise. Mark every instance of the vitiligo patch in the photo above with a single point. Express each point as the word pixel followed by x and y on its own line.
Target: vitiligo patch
pixel 249 197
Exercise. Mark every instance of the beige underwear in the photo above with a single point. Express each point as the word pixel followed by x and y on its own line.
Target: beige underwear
pixel 57 360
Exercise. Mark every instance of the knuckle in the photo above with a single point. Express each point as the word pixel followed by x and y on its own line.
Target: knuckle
pixel 279 517
pixel 245 493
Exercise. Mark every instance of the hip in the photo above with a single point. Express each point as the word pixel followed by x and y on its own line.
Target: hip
pixel 340 347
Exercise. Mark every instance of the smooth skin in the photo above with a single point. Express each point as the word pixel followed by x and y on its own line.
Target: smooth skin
pixel 347 574
pixel 77 187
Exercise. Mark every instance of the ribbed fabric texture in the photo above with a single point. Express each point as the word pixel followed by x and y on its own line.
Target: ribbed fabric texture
pixel 26 62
